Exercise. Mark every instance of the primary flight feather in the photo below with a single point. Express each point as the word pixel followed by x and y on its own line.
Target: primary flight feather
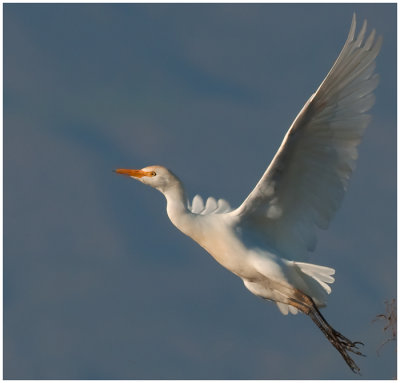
pixel 266 240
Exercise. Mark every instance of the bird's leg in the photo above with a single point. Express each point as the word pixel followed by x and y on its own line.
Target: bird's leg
pixel 305 304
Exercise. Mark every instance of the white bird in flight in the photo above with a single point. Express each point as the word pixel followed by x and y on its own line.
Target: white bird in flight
pixel 266 240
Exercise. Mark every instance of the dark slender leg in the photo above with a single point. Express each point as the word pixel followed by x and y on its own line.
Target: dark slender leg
pixel 305 304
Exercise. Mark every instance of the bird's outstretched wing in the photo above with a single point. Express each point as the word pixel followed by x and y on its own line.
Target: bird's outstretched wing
pixel 305 182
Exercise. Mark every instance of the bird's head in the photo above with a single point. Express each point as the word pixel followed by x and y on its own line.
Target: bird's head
pixel 157 177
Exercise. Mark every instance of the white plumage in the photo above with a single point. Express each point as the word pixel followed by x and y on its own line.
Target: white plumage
pixel 268 238
pixel 212 206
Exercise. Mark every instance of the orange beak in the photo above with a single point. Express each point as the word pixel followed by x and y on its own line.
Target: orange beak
pixel 134 173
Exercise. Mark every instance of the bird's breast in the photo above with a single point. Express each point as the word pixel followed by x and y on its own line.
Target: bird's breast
pixel 220 240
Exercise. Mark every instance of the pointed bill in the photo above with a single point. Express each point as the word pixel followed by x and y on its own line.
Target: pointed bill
pixel 137 173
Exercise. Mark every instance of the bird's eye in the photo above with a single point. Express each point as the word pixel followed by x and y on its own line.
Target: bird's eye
pixel 153 173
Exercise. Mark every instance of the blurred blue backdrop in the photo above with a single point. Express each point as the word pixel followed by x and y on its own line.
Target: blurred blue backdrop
pixel 97 283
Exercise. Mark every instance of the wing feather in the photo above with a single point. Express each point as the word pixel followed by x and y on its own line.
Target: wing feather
pixel 197 204
pixel 307 179
pixel 212 206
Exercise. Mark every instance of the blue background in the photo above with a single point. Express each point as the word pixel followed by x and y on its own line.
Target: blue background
pixel 97 283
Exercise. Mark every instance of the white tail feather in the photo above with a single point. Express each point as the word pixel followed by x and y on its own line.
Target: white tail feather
pixel 322 274
pixel 312 280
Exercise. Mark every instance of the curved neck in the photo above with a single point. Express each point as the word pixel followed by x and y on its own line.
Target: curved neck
pixel 177 208
pixel 179 214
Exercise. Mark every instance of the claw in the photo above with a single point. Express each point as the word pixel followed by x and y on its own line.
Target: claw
pixel 305 304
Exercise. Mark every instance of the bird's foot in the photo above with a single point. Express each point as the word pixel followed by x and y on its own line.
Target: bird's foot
pixel 347 343
pixel 344 345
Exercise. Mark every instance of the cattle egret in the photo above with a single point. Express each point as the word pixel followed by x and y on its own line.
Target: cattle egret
pixel 266 240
